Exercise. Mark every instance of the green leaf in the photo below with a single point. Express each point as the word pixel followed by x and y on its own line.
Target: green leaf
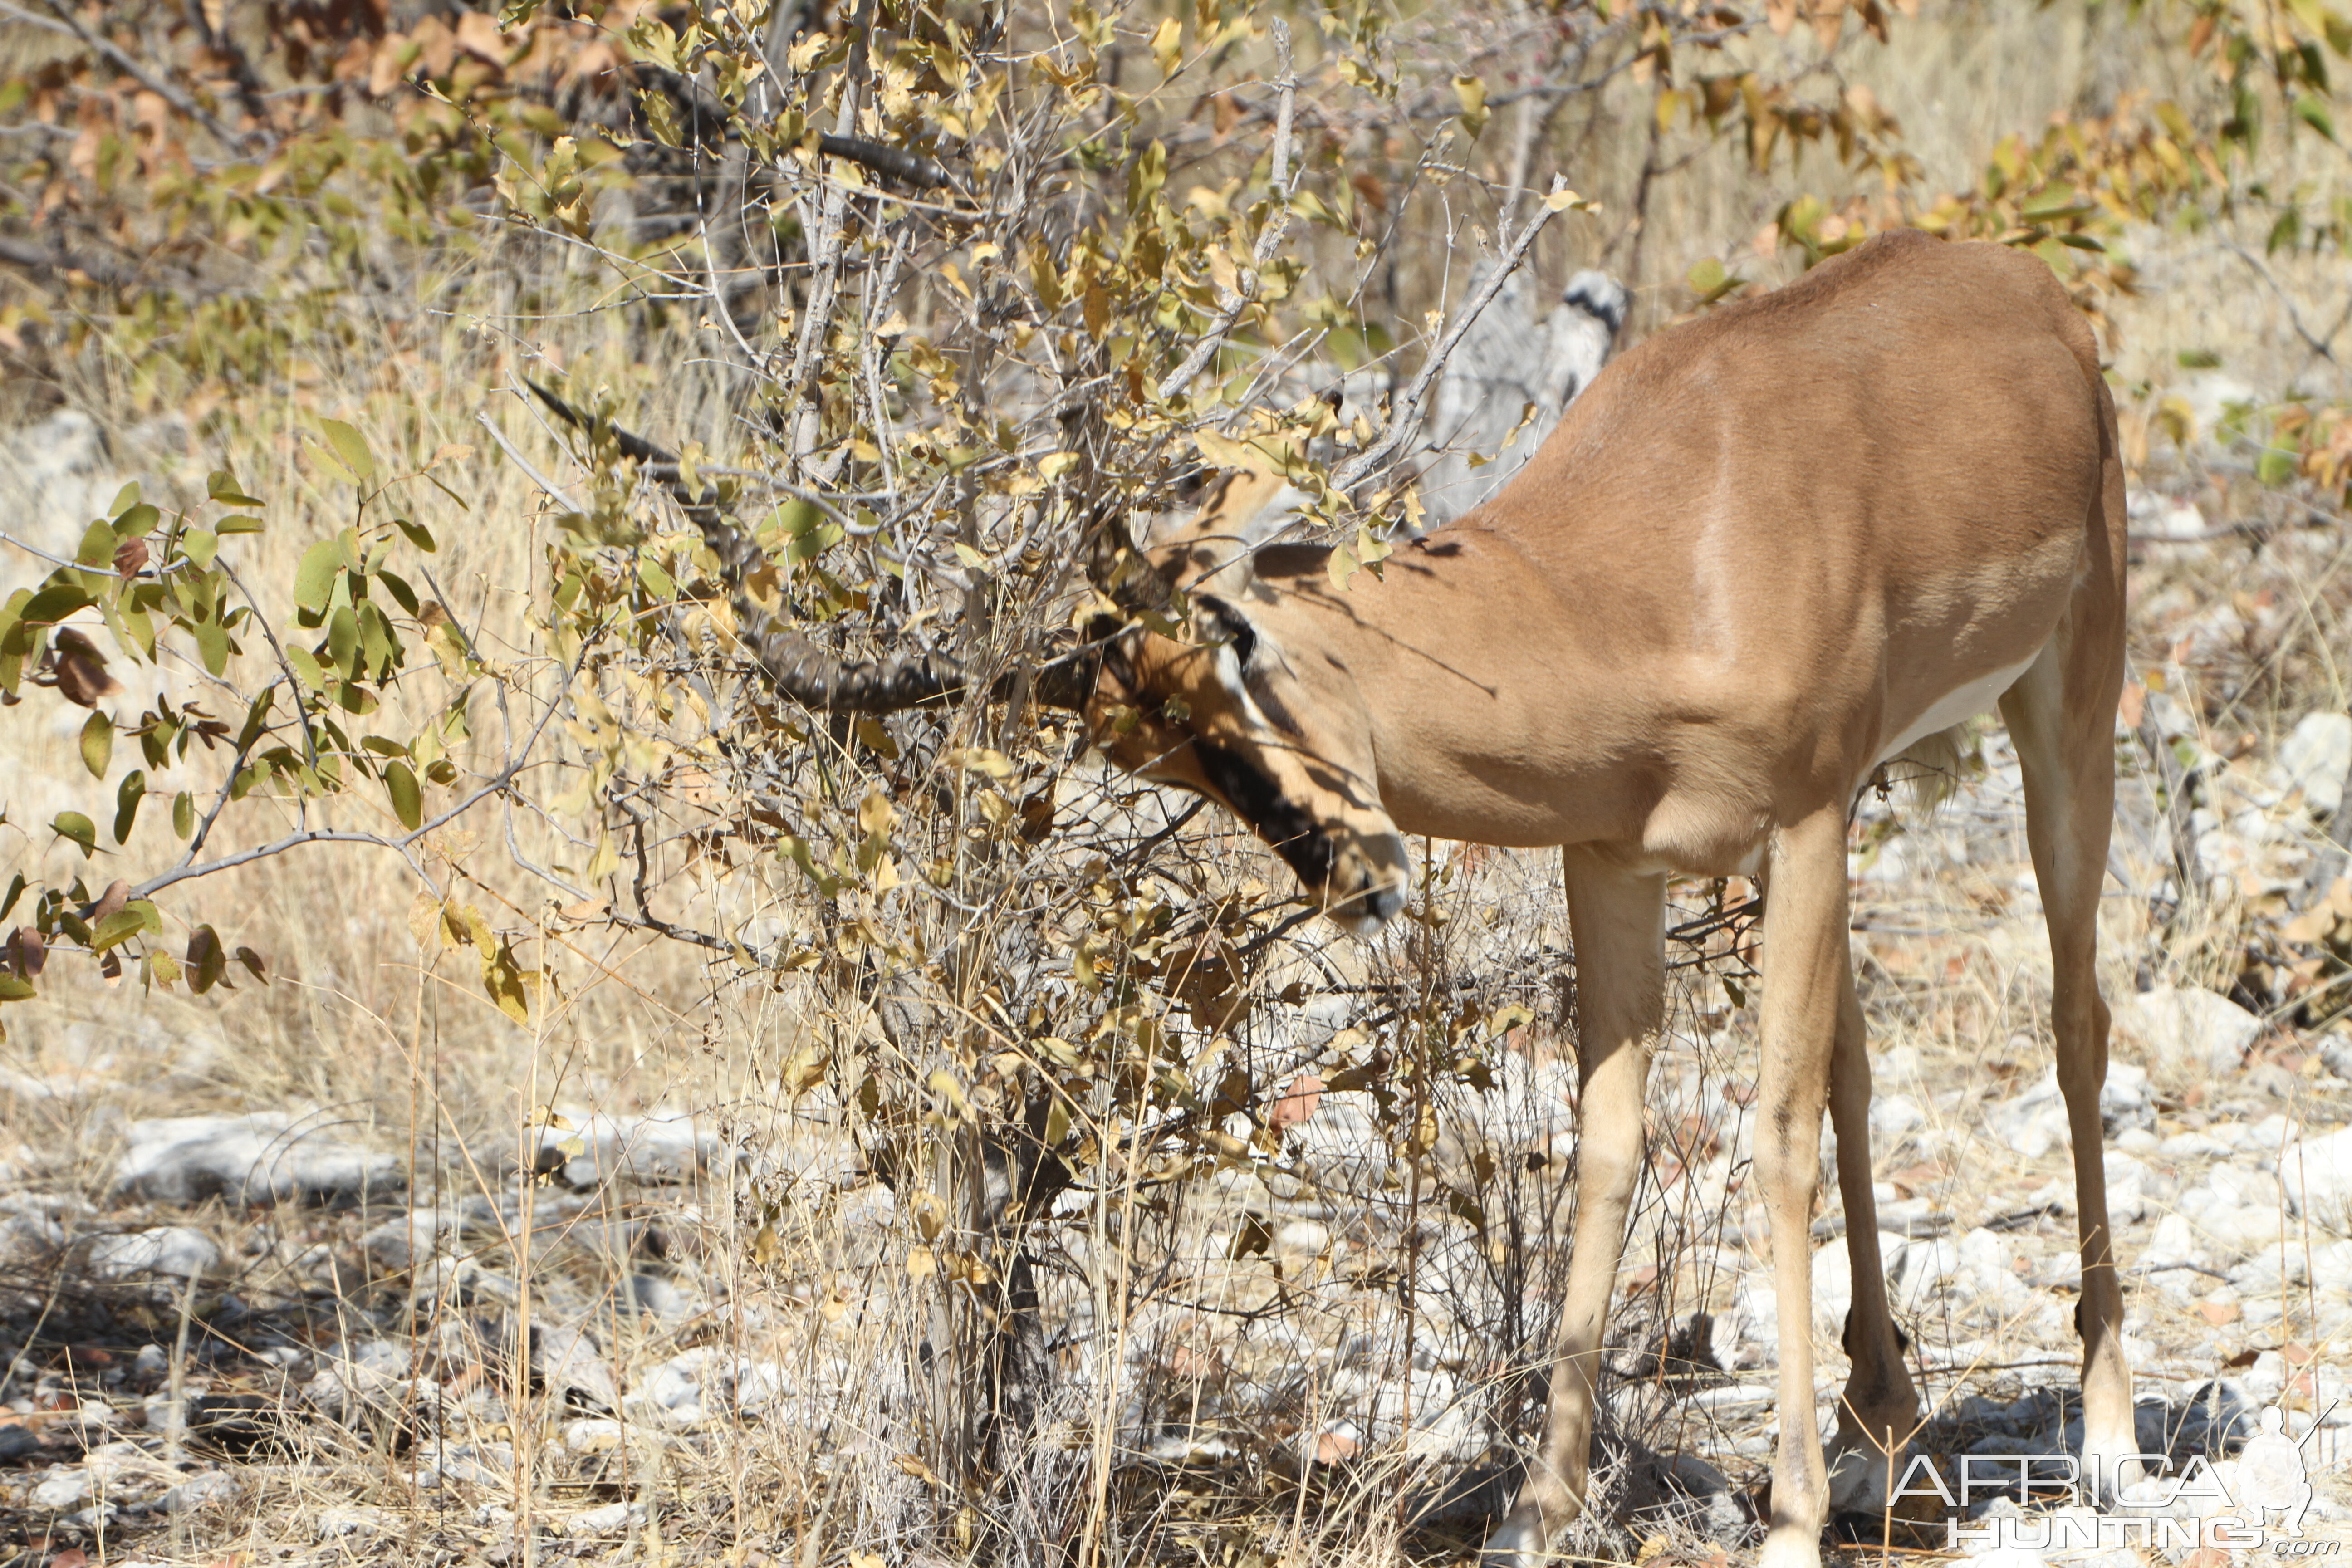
pixel 407 801
pixel 55 603
pixel 656 581
pixel 124 499
pixel 73 824
pixel 205 960
pixel 126 803
pixel 97 744
pixel 184 813
pixel 15 890
pixel 116 929
pixel 14 989
pixel 2274 467
pixel 98 546
pixel 239 524
pixel 2312 109
pixel 212 644
pixel 402 593
pixel 222 488
pixel 200 545
pixel 417 534
pixel 314 580
pixel 349 446
pixel 344 641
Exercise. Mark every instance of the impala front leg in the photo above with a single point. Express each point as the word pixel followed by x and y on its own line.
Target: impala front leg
pixel 1618 922
pixel 1805 962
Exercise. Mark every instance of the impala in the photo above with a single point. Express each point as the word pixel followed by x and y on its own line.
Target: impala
pixel 1764 553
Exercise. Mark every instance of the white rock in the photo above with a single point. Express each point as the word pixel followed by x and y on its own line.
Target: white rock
pixel 2128 1184
pixel 662 1147
pixel 200 1491
pixel 568 1362
pixel 2126 1102
pixel 1895 1114
pixel 592 1437
pixel 405 1241
pixel 2317 1174
pixel 171 1250
pixel 267 1157
pixel 2316 758
pixel 63 1490
pixel 2186 1031
pixel 695 1386
pixel 1987 1261
pixel 2174 1241
pixel 2240 1227
pixel 28 1234
pixel 342 1524
pixel 610 1519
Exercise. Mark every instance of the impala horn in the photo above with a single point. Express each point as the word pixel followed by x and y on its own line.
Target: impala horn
pixel 796 667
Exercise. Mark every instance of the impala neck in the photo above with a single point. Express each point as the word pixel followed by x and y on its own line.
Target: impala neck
pixel 1507 725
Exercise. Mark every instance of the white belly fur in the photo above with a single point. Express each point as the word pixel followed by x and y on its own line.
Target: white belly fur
pixel 1966 703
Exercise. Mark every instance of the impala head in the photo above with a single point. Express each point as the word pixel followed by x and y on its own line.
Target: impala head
pixel 1232 713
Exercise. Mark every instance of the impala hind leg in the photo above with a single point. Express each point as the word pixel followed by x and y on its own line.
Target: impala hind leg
pixel 1879 1408
pixel 1805 978
pixel 1617 923
pixel 2062 719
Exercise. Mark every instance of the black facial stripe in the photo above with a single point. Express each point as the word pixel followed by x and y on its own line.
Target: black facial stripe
pixel 1233 626
pixel 1258 801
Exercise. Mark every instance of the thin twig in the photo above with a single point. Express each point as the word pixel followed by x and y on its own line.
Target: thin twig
pixel 1237 299
pixel 530 470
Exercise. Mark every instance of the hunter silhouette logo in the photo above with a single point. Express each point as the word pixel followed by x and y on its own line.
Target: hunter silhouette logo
pixel 2232 1504
pixel 2272 1478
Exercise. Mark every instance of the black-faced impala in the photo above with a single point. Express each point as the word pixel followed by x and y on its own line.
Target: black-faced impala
pixel 1764 552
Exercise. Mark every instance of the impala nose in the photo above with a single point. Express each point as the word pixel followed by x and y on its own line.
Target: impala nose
pixel 1370 890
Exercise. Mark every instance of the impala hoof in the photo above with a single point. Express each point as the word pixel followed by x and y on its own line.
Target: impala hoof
pixel 1791 1546
pixel 1515 1544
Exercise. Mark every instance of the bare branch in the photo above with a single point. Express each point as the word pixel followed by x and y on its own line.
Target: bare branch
pixel 1229 308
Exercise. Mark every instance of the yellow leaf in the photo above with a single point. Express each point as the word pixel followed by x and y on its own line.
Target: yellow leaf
pixel 875 813
pixel 1168 46
pixel 982 760
pixel 1470 92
